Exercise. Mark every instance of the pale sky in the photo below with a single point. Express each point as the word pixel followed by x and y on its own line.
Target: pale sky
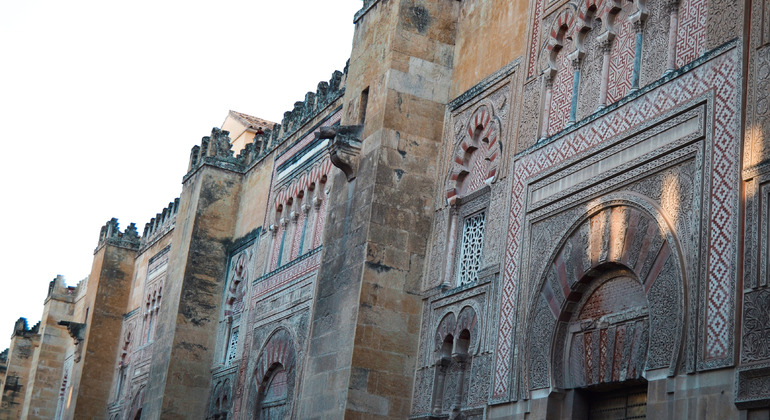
pixel 101 101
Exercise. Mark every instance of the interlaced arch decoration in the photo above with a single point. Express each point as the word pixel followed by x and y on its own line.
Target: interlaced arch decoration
pixel 562 31
pixel 589 9
pixel 476 157
pixel 238 282
pixel 316 175
pixel 456 342
pixel 221 400
pixel 453 325
pixel 617 239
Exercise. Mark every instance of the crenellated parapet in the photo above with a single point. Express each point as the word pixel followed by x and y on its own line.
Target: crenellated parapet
pixel 159 225
pixel 21 328
pixel 111 234
pixel 216 149
pixel 58 289
pixel 326 93
pixel 80 288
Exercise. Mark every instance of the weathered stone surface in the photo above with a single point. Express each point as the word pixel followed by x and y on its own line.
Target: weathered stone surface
pixel 497 210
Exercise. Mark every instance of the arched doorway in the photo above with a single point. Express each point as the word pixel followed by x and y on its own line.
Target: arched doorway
pixel 609 307
pixel 606 345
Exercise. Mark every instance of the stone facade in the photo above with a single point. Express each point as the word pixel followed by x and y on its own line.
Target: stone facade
pixel 554 209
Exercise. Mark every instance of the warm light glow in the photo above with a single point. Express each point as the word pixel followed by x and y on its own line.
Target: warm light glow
pixel 669 197
pixel 617 229
pixel 753 146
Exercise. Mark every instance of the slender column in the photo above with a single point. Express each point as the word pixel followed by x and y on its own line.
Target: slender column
pixel 438 391
pixel 273 234
pixel 294 215
pixel 451 247
pixel 672 7
pixel 317 206
pixel 547 102
pixel 637 19
pixel 577 58
pixel 306 211
pixel 284 228
pixel 605 42
pixel 462 362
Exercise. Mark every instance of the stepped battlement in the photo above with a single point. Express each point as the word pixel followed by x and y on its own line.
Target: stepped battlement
pixel 216 148
pixel 110 233
pixel 58 289
pixel 159 225
pixel 21 328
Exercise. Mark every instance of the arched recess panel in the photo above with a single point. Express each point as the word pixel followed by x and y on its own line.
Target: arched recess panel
pixel 476 157
pixel 272 388
pixel 617 247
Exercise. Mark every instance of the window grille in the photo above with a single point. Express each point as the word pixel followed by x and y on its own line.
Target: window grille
pixel 470 248
pixel 231 348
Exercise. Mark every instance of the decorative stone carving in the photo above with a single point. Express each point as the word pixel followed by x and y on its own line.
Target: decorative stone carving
pixel 752 386
pixel 344 148
pixel 614 236
pixel 756 326
pixel 278 356
pixel 475 158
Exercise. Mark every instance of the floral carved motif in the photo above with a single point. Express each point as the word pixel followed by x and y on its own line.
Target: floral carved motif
pixel 756 324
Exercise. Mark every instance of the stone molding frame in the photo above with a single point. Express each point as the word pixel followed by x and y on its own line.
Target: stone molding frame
pixel 714 77
pixel 661 272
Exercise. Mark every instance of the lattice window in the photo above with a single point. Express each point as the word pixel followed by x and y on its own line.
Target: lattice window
pixel 232 348
pixel 470 248
pixel 619 405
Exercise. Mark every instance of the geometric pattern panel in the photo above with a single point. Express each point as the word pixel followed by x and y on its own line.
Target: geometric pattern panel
pixel 561 99
pixel 691 37
pixel 294 270
pixel 719 75
pixel 622 55
pixel 533 47
pixel 232 348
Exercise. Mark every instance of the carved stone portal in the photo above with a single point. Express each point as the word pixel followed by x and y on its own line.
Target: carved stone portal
pixel 610 303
